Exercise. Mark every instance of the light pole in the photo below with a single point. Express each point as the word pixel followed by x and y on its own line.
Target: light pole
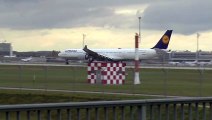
pixel 139 14
pixel 139 18
pixel 83 41
pixel 197 54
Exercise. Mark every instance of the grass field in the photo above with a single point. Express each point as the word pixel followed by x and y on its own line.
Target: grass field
pixel 27 97
pixel 153 81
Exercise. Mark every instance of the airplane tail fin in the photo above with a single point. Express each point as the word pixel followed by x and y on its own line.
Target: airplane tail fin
pixel 164 41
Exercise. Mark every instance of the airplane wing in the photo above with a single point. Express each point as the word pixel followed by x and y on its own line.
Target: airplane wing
pixel 98 56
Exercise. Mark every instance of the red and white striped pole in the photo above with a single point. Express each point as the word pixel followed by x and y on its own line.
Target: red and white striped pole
pixel 136 75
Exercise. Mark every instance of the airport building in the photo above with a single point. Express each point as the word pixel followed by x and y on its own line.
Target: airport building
pixel 6 49
pixel 190 56
pixel 181 56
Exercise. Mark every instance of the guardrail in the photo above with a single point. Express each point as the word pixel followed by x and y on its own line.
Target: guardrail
pixel 151 109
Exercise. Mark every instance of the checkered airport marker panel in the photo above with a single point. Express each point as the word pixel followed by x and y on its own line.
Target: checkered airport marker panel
pixel 106 73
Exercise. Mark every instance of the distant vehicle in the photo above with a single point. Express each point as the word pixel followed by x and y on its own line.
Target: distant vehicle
pixel 116 54
pixel 174 63
pixel 204 63
pixel 197 63
pixel 27 59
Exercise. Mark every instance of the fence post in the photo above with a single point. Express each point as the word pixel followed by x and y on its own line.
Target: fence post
pixel 165 81
pixel 20 75
pixel 46 76
pixel 142 112
pixel 74 77
pixel 201 71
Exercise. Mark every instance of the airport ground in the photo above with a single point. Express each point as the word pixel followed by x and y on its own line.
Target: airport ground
pixel 164 81
pixel 40 83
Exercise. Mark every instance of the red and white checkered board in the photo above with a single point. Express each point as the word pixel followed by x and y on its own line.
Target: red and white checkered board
pixel 111 72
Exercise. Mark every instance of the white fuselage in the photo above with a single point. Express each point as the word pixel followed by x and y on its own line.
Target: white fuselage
pixel 116 54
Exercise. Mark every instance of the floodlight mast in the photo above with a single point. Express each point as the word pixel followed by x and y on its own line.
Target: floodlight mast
pixel 139 18
pixel 197 54
pixel 83 40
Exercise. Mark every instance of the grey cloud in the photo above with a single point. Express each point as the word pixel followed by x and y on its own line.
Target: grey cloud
pixel 38 14
pixel 184 17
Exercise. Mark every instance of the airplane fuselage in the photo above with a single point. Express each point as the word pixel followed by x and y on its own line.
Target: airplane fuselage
pixel 117 54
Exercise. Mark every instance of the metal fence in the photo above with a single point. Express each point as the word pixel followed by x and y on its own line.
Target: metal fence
pixel 164 81
pixel 151 109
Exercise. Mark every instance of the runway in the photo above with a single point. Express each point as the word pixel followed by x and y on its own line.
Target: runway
pixel 43 64
pixel 85 65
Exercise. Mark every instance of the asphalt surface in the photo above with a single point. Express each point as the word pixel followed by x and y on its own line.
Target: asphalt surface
pixel 85 65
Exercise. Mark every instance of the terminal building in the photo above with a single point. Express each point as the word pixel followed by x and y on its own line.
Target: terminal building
pixel 181 56
pixel 6 49
pixel 190 56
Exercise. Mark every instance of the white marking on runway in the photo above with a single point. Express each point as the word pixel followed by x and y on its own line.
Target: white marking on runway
pixel 85 65
pixel 91 92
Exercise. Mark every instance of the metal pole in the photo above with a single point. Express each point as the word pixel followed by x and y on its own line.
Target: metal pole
pixel 197 54
pixel 83 42
pixel 201 71
pixel 21 75
pixel 46 76
pixel 165 81
pixel 139 18
pixel 137 40
pixel 136 74
pixel 141 112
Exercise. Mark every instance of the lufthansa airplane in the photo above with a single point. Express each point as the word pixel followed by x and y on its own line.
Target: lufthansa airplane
pixel 116 54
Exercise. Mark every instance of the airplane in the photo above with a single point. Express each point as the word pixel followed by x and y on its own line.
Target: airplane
pixel 26 59
pixel 116 54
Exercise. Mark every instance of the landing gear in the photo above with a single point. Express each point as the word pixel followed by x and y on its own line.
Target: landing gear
pixel 67 62
pixel 86 56
pixel 89 58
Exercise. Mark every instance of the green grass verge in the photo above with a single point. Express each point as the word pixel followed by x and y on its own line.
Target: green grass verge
pixel 27 97
pixel 153 81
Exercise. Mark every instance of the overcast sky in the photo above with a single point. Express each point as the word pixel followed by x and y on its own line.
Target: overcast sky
pixel 59 24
